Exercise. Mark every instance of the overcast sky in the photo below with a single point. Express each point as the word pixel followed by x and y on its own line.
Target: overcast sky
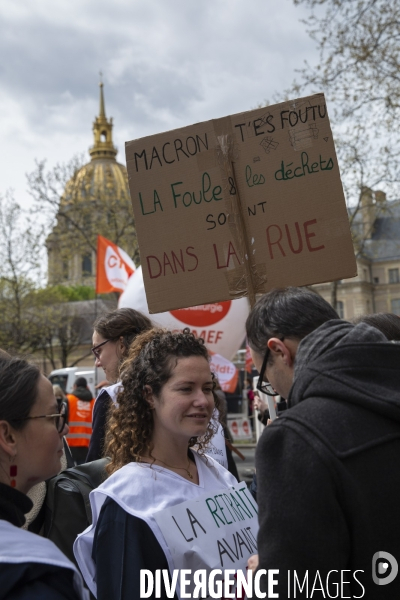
pixel 165 64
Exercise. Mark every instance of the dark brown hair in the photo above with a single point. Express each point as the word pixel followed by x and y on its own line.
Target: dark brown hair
pixel 18 389
pixel 290 312
pixel 123 322
pixel 152 357
pixel 387 323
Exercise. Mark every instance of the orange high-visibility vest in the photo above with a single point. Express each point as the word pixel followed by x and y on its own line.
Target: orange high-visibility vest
pixel 80 421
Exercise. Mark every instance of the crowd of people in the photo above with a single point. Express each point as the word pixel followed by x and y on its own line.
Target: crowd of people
pixel 327 477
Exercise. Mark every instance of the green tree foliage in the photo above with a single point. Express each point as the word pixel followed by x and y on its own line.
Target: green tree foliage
pixel 21 256
pixel 48 321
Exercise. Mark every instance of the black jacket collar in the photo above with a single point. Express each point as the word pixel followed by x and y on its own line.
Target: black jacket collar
pixel 14 505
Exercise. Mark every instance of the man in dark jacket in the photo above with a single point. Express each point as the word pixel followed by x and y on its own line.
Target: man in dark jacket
pixel 80 409
pixel 328 474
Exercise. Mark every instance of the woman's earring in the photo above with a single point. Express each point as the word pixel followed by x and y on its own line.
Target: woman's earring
pixel 13 474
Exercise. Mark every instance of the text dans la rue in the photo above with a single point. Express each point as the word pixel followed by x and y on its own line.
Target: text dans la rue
pixel 282 239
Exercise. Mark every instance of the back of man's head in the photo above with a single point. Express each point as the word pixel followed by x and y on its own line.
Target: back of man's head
pixel 286 313
pixel 80 382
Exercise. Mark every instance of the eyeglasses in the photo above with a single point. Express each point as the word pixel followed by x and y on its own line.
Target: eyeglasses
pixel 95 349
pixel 59 419
pixel 265 386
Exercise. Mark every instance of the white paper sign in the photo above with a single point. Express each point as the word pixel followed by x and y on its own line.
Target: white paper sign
pixel 218 530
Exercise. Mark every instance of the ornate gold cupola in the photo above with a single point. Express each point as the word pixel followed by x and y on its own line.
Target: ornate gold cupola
pixel 102 130
pixel 96 199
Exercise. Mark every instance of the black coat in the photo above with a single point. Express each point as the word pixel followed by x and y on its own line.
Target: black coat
pixel 122 546
pixel 328 470
pixel 99 420
pixel 29 580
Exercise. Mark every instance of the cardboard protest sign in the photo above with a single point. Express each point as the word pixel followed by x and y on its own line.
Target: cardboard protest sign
pixel 216 531
pixel 240 205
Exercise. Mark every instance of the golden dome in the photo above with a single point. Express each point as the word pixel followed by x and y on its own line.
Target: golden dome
pixel 98 179
pixel 103 175
pixel 95 201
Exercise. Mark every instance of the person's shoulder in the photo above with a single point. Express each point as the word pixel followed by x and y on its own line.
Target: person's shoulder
pixel 135 476
pixel 34 581
pixel 216 468
pixel 113 513
pixel 103 395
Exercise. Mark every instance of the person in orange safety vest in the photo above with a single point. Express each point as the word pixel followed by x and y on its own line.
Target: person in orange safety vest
pixel 80 406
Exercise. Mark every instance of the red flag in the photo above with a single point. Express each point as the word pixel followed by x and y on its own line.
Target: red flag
pixel 114 267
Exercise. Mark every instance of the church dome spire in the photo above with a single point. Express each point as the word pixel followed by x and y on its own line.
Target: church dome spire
pixel 102 130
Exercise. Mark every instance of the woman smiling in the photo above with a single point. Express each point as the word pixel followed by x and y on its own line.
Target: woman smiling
pixel 165 409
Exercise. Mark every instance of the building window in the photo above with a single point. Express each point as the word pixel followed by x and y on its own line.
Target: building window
pixel 394 276
pixel 340 309
pixel 376 280
pixel 86 265
pixel 365 271
pixel 65 269
pixel 396 306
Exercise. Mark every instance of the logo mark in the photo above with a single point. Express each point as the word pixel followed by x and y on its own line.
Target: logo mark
pixel 384 568
pixel 203 315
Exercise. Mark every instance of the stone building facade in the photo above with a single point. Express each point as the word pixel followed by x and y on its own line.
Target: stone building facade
pixel 376 229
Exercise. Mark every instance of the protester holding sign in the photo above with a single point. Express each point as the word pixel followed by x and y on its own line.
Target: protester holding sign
pixel 164 409
pixel 32 426
pixel 112 336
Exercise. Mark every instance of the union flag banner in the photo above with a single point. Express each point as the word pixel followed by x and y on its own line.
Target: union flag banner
pixel 225 371
pixel 114 267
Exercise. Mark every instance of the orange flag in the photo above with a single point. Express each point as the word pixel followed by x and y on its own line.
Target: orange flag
pixel 225 371
pixel 114 267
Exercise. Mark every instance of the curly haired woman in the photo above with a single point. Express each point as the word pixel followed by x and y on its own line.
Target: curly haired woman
pixel 164 410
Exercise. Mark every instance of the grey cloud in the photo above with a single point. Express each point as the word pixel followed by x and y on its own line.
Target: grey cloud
pixel 166 64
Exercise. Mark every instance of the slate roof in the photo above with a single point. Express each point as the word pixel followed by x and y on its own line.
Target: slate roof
pixel 385 240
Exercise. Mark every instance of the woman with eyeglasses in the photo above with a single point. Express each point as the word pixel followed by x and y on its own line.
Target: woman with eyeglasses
pixel 32 427
pixel 164 411
pixel 113 334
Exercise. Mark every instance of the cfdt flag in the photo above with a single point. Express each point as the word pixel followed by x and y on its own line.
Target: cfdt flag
pixel 114 267
pixel 226 372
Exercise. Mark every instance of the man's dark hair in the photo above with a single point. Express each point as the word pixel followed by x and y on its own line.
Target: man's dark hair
pixel 286 313
pixel 387 323
pixel 81 382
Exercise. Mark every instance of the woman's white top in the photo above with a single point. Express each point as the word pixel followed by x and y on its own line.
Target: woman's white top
pixel 142 490
pixel 18 546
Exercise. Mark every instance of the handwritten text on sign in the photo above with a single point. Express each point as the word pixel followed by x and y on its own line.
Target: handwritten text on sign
pixel 251 198
pixel 215 531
